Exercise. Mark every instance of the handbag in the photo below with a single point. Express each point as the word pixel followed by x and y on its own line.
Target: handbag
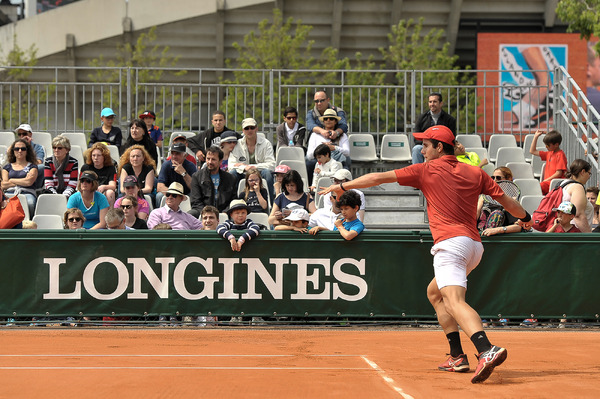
pixel 12 214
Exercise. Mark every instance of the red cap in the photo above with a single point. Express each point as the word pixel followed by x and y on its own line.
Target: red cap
pixel 439 132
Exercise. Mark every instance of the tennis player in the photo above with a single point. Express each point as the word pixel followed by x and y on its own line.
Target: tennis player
pixel 451 189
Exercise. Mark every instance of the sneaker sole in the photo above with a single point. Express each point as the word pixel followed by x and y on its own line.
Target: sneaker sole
pixel 460 369
pixel 487 370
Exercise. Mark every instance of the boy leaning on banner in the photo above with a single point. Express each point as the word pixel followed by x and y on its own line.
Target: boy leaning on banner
pixel 565 213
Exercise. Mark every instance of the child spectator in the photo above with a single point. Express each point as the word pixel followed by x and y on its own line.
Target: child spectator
pixel 470 158
pixel 162 226
pixel 280 171
pixel 565 213
pixel 324 218
pixel 349 226
pixel 107 133
pixel 155 134
pixel 255 195
pixel 325 166
pixel 591 193
pixel 556 160
pixel 209 217
pixel 298 221
pixel 237 213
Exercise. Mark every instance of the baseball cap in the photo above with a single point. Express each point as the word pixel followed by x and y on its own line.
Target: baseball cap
pixel 249 122
pixel 88 175
pixel 176 136
pixel 342 174
pixel 178 147
pixel 146 114
pixel 566 207
pixel 282 169
pixel 130 181
pixel 438 132
pixel 107 112
pixel 24 126
pixel 298 214
pixel 228 136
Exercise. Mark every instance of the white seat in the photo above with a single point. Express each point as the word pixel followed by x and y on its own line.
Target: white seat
pixel 7 138
pixel 260 218
pixel 79 139
pixel 555 183
pixel 185 205
pixel 528 186
pixel 395 148
pixel 186 134
pixel 51 222
pixel 509 154
pixel 3 154
pixel 481 152
pixel 489 168
pixel 77 153
pixel 45 140
pixel 527 145
pixel 520 170
pixel 538 166
pixel 149 201
pixel 322 182
pixel 51 204
pixel 298 166
pixel 291 153
pixel 469 140
pixel 531 202
pixel 114 152
pixel 223 217
pixel 498 141
pixel 362 147
pixel 23 201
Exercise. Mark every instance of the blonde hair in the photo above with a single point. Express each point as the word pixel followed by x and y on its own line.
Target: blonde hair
pixel 61 141
pixel 148 160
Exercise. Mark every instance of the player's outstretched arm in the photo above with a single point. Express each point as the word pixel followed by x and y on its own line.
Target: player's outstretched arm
pixel 368 180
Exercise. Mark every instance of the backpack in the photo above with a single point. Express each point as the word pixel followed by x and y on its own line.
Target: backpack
pixel 544 216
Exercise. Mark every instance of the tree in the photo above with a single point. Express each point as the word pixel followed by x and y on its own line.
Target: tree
pixel 583 16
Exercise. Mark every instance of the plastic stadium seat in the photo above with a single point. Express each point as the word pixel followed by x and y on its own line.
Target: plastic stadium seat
pixel 23 201
pixel 395 148
pixel 52 222
pixel 322 182
pixel 538 166
pixel 531 202
pixel 362 148
pixel 527 145
pixel 480 151
pixel 489 168
pixel 45 140
pixel 223 217
pixel 79 139
pixel 260 218
pixel 289 153
pixel 114 152
pixel 77 153
pixel 509 154
pixel 185 205
pixel 186 134
pixel 528 186
pixel 148 199
pixel 555 183
pixel 51 204
pixel 3 154
pixel 7 138
pixel 520 170
pixel 469 140
pixel 498 141
pixel 298 166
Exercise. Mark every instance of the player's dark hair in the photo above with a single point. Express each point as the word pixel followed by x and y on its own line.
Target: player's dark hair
pixel 578 166
pixel 292 177
pixel 349 198
pixel 447 149
pixel 552 137
pixel 322 149
pixel 216 150
pixel 438 95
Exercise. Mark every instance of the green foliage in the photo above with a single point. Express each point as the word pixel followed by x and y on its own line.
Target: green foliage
pixel 149 61
pixel 583 16
pixel 19 108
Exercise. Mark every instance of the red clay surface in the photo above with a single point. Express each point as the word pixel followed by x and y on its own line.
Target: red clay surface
pixel 225 363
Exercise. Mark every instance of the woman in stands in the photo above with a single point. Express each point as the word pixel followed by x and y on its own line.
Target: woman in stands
pixel 579 171
pixel 129 204
pixel 92 204
pixel 98 160
pixel 293 193
pixel 138 135
pixel 508 224
pixel 131 188
pixel 73 219
pixel 20 173
pixel 61 169
pixel 137 162
pixel 255 194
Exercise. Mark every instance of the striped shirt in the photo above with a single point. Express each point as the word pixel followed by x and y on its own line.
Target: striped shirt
pixel 224 229
pixel 69 176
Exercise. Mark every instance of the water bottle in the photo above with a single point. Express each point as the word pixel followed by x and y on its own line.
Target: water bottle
pixel 291 143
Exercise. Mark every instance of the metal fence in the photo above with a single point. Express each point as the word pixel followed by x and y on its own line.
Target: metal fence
pixel 69 99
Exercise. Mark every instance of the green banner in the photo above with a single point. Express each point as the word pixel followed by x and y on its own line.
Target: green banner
pixel 377 275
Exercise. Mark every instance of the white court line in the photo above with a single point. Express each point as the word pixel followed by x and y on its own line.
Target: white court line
pixel 386 378
pixel 139 355
pixel 180 368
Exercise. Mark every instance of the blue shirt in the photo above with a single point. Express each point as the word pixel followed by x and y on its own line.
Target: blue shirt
pixel 39 151
pixel 312 119
pixel 355 225
pixel 216 180
pixel 168 175
pixel 155 134
pixel 92 214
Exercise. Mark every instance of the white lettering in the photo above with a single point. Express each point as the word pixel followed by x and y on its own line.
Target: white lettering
pixel 141 266
pixel 228 278
pixel 304 278
pixel 54 283
pixel 256 268
pixel 88 278
pixel 351 279
pixel 208 290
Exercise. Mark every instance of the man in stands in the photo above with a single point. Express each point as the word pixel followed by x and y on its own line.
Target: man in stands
pixel 199 143
pixel 172 214
pixel 177 169
pixel 211 185
pixel 435 116
pixel 314 125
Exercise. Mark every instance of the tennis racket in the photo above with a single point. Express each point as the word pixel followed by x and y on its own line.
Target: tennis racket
pixel 509 188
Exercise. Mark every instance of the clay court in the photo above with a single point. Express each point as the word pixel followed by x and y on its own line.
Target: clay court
pixel 317 363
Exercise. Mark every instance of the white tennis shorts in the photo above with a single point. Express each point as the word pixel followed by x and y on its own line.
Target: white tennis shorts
pixel 453 260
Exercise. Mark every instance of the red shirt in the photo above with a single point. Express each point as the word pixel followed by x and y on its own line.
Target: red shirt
pixel 555 160
pixel 451 189
pixel 573 229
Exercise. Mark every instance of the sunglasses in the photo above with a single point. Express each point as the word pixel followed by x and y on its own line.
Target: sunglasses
pixel 86 181
pixel 291 118
pixel 330 119
pixel 126 206
pixel 73 220
pixel 20 149
pixel 320 101
pixel 497 178
pixel 250 128
pixel 171 195
pixel 22 134
pixel 58 148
